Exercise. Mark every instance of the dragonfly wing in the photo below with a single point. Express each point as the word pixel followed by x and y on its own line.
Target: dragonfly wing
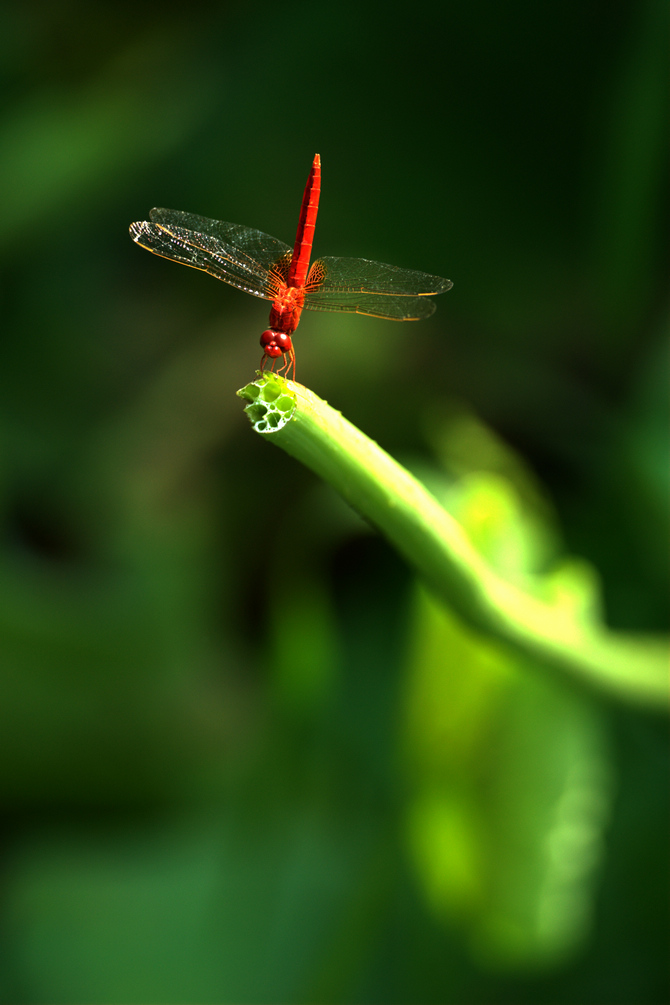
pixel 261 247
pixel 359 286
pixel 238 255
pixel 376 305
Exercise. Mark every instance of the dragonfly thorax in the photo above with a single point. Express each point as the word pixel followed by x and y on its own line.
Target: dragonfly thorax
pixel 276 343
pixel 286 309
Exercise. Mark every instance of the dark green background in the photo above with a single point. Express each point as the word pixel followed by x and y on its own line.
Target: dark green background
pixel 218 761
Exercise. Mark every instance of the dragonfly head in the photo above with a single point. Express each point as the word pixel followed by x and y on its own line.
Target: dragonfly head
pixel 276 343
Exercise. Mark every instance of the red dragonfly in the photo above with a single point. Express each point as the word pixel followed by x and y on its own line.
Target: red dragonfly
pixel 265 267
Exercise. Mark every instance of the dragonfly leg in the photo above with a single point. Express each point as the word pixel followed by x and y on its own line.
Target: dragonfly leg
pixel 264 359
pixel 289 362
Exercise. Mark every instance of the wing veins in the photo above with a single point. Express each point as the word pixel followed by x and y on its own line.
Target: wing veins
pixel 224 262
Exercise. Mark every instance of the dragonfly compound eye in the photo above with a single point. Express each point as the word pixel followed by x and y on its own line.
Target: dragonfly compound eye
pixel 275 343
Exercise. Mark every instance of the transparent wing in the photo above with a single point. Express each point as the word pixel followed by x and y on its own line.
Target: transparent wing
pixel 263 248
pixel 359 286
pixel 231 252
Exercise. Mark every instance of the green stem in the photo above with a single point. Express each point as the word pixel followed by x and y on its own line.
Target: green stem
pixel 634 667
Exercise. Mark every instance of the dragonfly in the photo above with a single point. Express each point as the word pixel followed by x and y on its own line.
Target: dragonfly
pixel 265 267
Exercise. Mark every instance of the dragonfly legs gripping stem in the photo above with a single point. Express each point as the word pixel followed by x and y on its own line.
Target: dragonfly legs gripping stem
pixel 289 362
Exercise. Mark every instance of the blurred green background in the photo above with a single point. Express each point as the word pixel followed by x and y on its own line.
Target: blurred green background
pixel 244 756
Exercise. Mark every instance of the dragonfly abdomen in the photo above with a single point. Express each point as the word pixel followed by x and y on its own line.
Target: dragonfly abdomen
pixel 302 251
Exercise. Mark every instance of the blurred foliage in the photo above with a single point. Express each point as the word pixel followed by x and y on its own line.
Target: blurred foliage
pixel 244 756
pixel 509 768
